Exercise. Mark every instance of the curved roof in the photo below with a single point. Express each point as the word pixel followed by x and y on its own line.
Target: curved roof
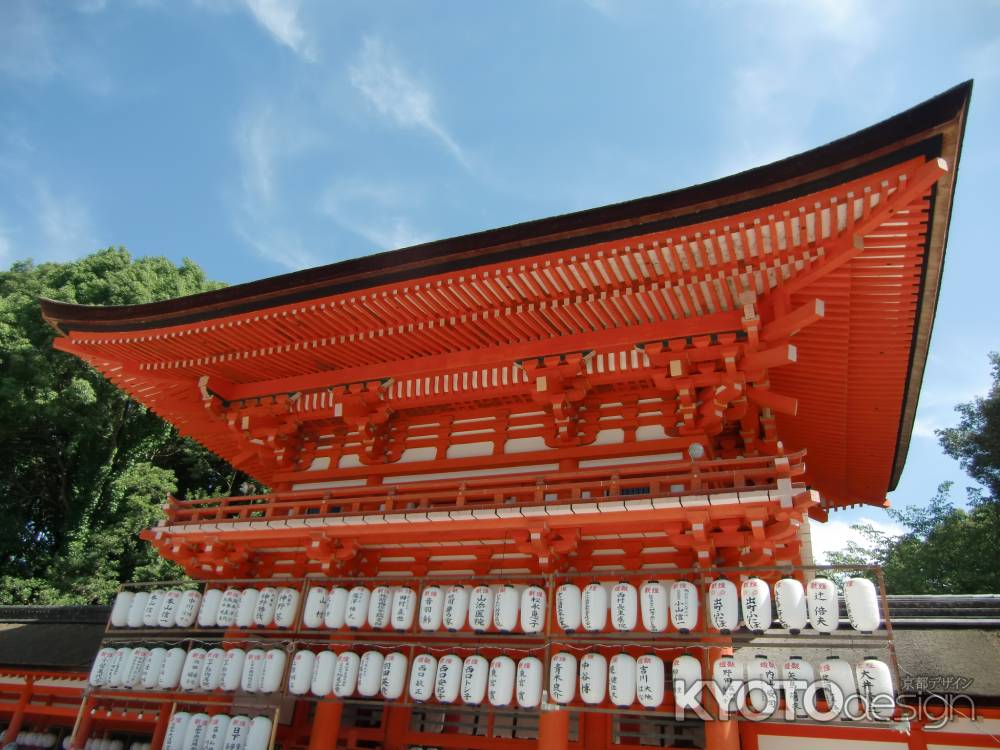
pixel 931 130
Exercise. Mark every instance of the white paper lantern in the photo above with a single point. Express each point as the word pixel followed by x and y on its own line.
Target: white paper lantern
pixel 168 608
pixel 475 671
pixel 500 689
pixel 274 670
pixel 380 607
pixel 795 668
pixel 211 673
pixel 506 606
pixel 253 671
pixel 229 608
pixel 116 670
pixel 150 677
pixel 324 673
pixel 187 611
pixel 236 733
pixel 533 609
pixel 286 607
pixel 101 668
pixel 593 678
pixel 151 615
pixel 356 614
pixel 194 735
pixel 761 676
pixel 594 608
pixel 456 607
pixel 315 608
pixel 727 671
pixel 215 735
pixel 568 607
pixel 259 734
pixel 528 685
pixel 624 605
pixel 370 673
pixel 120 608
pixel 393 675
pixel 422 677
pixel 232 669
pixel 176 728
pixel 448 679
pixel 194 663
pixel 684 606
pixel 756 600
pixel 790 601
pixel 431 609
pixel 861 600
pixel 336 607
pixel 650 679
pixel 247 608
pixel 839 685
pixel 875 688
pixel 621 680
pixel 481 609
pixel 267 602
pixel 723 606
pixel 562 677
pixel 685 672
pixel 345 678
pixel 404 607
pixel 301 672
pixel 208 611
pixel 823 606
pixel 655 605
pixel 137 609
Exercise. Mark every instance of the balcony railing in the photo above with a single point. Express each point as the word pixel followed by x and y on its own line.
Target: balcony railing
pixel 635 482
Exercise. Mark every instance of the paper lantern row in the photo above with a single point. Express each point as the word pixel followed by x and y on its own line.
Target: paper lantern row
pixel 509 608
pixel 38 739
pixel 219 732
pixel 140 668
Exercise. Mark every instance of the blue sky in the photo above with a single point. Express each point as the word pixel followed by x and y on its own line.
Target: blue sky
pixel 258 136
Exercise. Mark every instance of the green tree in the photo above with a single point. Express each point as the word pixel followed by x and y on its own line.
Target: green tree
pixel 945 549
pixel 83 468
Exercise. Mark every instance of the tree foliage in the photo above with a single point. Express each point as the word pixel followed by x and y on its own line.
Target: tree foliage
pixel 945 549
pixel 83 468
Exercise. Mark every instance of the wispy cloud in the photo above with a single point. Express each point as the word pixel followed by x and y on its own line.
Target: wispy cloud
pixel 264 141
pixel 26 44
pixel 773 95
pixel 398 96
pixel 281 19
pixel 65 223
pixel 833 536
pixel 373 211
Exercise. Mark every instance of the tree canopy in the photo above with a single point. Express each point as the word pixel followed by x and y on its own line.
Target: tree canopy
pixel 83 468
pixel 946 549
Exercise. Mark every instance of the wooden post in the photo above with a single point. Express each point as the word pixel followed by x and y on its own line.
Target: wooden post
pixel 84 722
pixel 326 725
pixel 553 729
pixel 397 726
pixel 163 715
pixel 595 731
pixel 17 720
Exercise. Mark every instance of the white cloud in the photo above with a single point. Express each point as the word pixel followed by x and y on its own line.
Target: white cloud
pixel 833 535
pixel 281 19
pixel 375 212
pixel 264 142
pixel 26 44
pixel 397 95
pixel 798 55
pixel 924 428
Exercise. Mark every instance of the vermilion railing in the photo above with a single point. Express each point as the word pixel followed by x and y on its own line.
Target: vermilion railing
pixel 653 480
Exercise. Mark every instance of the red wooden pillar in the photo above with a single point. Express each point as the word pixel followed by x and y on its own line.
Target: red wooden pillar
pixel 83 726
pixel 553 730
pixel 397 725
pixel 17 720
pixel 160 727
pixel 595 731
pixel 326 725
pixel 719 735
